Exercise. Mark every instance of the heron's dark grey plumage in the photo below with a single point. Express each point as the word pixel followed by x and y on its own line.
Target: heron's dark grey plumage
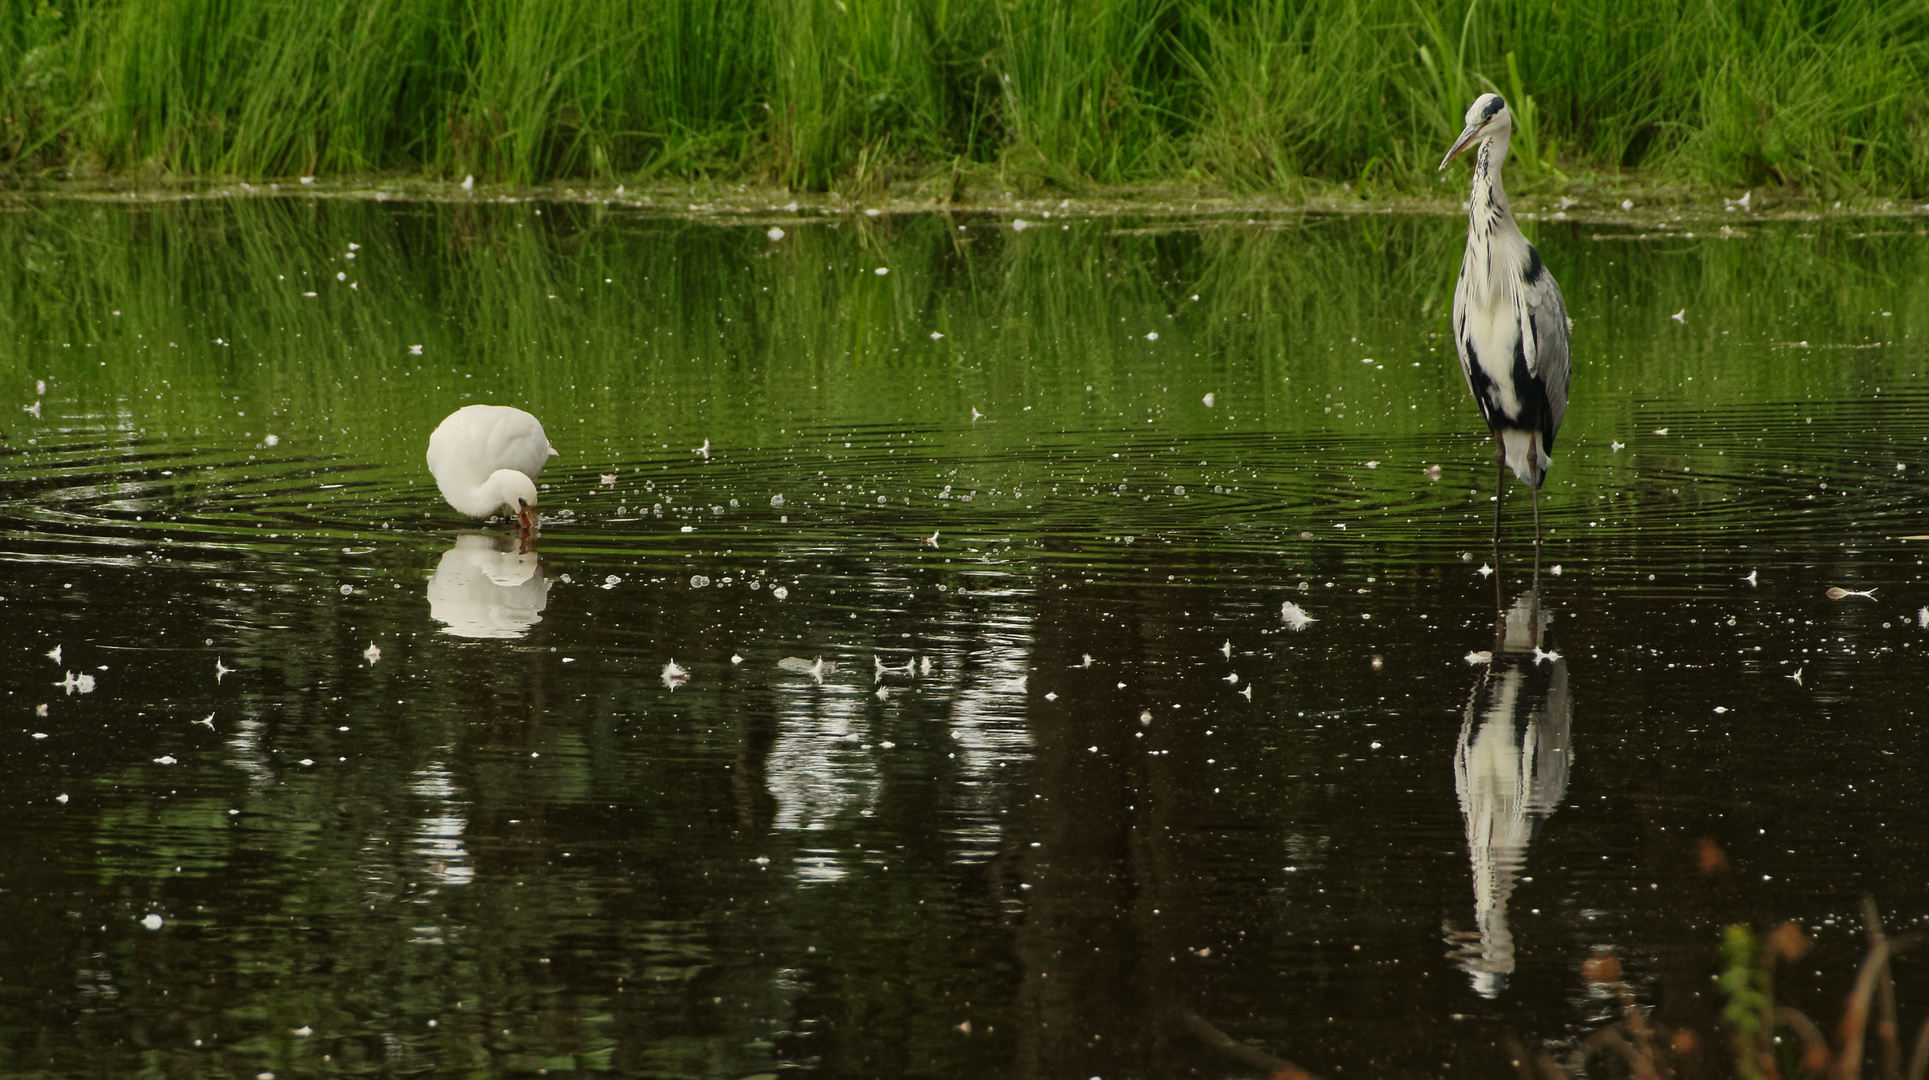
pixel 1510 323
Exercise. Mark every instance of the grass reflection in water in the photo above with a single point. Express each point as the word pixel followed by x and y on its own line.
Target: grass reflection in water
pixel 989 748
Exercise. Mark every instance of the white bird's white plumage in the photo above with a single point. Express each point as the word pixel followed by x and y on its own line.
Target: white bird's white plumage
pixel 485 458
pixel 1510 323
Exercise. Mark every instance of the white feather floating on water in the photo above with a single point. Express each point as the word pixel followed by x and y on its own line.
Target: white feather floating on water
pixel 1294 616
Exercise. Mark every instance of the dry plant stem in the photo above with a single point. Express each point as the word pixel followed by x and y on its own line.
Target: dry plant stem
pixel 1919 1061
pixel 1277 1068
pixel 1518 1053
pixel 1532 1065
pixel 1855 1019
pixel 1640 1051
pixel 1886 1029
pixel 1798 1021
pixel 1640 1061
pixel 1637 1022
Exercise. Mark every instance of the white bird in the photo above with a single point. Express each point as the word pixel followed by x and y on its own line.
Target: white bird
pixel 485 458
pixel 1510 324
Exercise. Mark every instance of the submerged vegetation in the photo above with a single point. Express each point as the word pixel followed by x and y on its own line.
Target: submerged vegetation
pixel 940 97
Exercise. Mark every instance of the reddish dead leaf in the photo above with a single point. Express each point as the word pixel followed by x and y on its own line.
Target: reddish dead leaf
pixel 1711 857
pixel 1788 943
pixel 1602 967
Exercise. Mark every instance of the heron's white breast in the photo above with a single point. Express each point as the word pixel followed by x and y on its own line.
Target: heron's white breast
pixel 1490 286
pixel 1494 331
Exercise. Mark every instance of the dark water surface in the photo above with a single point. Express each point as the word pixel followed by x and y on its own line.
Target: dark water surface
pixel 996 748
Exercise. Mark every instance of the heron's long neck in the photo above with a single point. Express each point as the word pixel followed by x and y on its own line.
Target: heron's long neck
pixel 1487 214
pixel 1488 201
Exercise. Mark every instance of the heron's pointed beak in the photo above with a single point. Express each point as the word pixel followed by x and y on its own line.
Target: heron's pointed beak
pixel 1465 140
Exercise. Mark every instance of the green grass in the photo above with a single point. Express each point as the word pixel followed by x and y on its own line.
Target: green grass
pixel 1824 99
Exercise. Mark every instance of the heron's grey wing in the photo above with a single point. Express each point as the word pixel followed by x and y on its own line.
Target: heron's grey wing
pixel 1548 311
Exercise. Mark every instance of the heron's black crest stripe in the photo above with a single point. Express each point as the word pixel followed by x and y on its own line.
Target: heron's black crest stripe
pixel 1535 268
pixel 1494 105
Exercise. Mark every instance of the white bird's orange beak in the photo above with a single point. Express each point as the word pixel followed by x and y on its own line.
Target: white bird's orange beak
pixel 1466 139
pixel 528 519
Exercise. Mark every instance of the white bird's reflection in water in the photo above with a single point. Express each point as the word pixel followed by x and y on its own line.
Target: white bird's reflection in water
pixel 1510 768
pixel 438 833
pixel 487 587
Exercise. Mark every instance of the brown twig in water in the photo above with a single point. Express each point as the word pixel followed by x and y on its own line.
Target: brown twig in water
pixel 1886 1017
pixel 1815 1045
pixel 1919 1061
pixel 1855 1016
pixel 1277 1068
pixel 1541 1066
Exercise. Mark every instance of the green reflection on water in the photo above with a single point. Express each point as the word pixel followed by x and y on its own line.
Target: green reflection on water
pixel 639 339
pixel 543 849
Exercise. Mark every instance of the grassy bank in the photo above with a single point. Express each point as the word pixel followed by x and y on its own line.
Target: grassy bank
pixel 939 97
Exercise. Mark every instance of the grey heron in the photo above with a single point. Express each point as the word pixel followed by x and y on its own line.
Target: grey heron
pixel 1510 324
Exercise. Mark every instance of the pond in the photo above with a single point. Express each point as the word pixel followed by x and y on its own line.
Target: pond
pixel 1019 644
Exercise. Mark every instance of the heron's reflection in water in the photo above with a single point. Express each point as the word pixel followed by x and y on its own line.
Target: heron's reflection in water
pixel 1510 768
pixel 488 587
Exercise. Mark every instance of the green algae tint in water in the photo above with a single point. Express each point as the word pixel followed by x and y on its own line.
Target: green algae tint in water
pixel 953 649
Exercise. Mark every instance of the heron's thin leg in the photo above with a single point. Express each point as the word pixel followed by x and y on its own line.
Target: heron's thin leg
pixel 1500 483
pixel 1533 455
pixel 1537 517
